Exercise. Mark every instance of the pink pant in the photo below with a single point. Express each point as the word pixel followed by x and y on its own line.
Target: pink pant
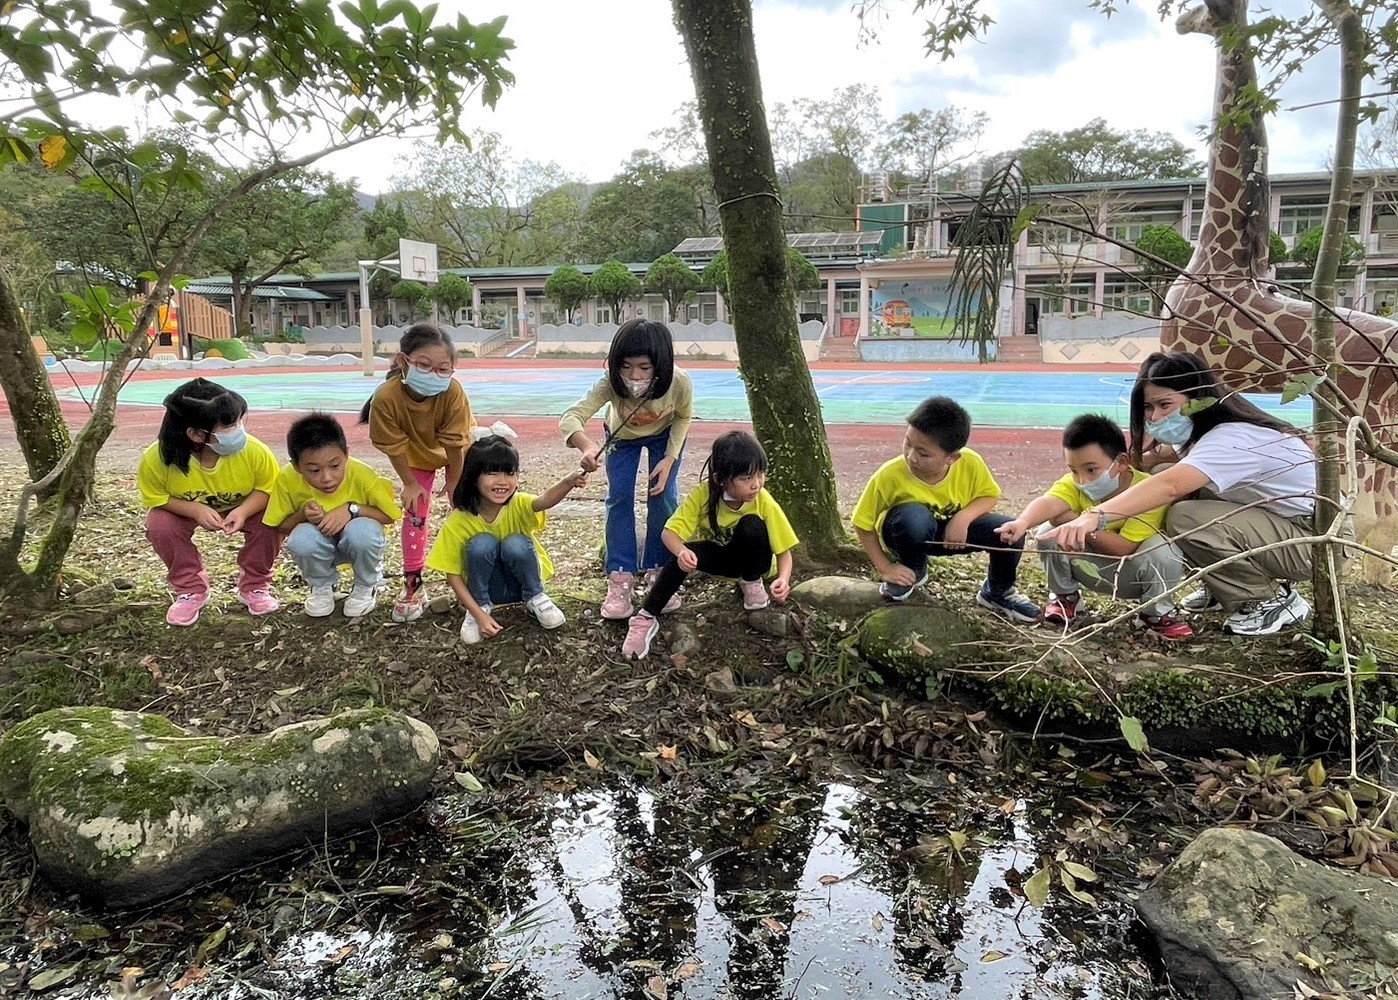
pixel 172 537
pixel 415 524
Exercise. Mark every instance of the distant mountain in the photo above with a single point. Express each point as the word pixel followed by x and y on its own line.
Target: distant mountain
pixel 366 201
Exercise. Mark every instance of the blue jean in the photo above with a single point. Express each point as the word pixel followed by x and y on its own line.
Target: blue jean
pixel 912 533
pixel 501 571
pixel 360 546
pixel 622 462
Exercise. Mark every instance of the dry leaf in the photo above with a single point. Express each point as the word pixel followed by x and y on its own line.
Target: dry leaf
pixel 592 760
pixel 656 988
pixel 669 752
pixel 688 970
pixel 191 976
pixel 497 967
pixel 679 660
pixel 830 879
pixel 342 954
pixel 746 718
pixel 774 925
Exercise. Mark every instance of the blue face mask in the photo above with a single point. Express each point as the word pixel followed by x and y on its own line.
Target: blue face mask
pixel 228 442
pixel 426 383
pixel 1174 430
pixel 1102 487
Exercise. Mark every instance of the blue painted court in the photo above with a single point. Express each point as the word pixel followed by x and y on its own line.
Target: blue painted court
pixel 848 396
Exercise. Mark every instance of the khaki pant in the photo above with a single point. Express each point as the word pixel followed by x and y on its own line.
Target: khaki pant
pixel 1148 574
pixel 1247 580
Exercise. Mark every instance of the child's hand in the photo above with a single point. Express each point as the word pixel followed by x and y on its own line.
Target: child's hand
pixel 413 494
pixel 591 460
pixel 1012 531
pixel 781 589
pixel 332 522
pixel 487 623
pixel 234 520
pixel 575 480
pixel 688 561
pixel 898 575
pixel 208 518
pixel 312 512
pixel 954 534
pixel 660 475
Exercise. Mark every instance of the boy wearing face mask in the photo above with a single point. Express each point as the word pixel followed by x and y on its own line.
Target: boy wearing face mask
pixel 1132 559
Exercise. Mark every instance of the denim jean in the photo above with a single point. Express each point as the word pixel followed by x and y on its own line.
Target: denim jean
pixel 360 546
pixel 501 571
pixel 912 533
pixel 622 462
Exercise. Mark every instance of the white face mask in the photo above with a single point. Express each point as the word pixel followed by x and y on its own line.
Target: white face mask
pixel 637 387
pixel 1102 487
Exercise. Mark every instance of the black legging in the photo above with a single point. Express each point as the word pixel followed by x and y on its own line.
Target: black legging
pixel 745 556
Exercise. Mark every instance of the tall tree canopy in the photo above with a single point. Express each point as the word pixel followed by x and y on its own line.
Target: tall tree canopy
pixel 1098 152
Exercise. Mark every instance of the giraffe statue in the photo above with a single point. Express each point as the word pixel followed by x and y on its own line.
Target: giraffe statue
pixel 1232 257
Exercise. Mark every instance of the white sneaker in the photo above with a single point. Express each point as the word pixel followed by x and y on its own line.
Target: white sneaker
pixel 1269 617
pixel 321 602
pixel 470 630
pixel 1198 601
pixel 361 601
pixel 541 606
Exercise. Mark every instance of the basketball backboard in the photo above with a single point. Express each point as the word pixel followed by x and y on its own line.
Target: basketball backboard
pixel 417 261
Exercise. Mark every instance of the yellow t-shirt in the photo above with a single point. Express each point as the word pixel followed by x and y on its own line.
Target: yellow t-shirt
pixel 518 517
pixel 893 484
pixel 673 411
pixel 1133 529
pixel 361 485
pixel 691 521
pixel 423 429
pixel 223 487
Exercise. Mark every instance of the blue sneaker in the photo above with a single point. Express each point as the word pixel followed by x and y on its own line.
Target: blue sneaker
pixel 1010 603
pixel 893 592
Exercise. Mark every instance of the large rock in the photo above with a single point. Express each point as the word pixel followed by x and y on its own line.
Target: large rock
pixel 914 641
pixel 839 595
pixel 127 807
pixel 1236 909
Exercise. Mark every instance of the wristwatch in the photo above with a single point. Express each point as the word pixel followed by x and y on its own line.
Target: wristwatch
pixel 353 509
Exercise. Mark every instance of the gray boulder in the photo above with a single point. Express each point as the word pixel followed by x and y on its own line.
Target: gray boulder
pixel 838 595
pixel 126 807
pixel 1239 915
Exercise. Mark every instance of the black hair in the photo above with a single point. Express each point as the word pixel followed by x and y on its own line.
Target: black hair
pixel 642 337
pixel 491 453
pixel 414 338
pixel 202 405
pixel 1180 371
pixel 736 453
pixel 1094 428
pixel 944 420
pixel 314 430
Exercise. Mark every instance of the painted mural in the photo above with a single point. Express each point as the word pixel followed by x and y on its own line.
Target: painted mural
pixel 919 308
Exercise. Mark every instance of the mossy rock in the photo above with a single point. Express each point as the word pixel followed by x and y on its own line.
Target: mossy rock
pixel 914 641
pixel 127 807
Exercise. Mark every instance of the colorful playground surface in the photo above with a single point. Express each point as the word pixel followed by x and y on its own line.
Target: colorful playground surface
pixel 847 396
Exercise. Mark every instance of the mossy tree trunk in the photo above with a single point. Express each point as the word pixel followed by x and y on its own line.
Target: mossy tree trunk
pixel 781 395
pixel 38 419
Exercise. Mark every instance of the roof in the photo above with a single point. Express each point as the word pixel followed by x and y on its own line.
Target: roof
pixel 286 293
pixel 822 243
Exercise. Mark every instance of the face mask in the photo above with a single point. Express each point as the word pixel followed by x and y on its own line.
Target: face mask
pixel 1102 487
pixel 638 389
pixel 426 383
pixel 1173 430
pixel 229 442
pixel 729 497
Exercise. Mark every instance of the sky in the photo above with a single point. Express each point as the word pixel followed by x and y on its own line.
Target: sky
pixel 594 80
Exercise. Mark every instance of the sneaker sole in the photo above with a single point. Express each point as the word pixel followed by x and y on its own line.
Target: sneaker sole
pixel 1006 612
pixel 548 627
pixel 257 614
pixel 318 614
pixel 619 617
pixel 410 615
pixel 650 637
pixel 1283 620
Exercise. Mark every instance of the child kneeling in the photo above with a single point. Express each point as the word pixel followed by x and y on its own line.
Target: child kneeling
pixel 333 510
pixel 489 545
pixel 1129 559
pixel 730 526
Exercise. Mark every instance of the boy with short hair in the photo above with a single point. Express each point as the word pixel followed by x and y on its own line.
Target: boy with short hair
pixel 937 500
pixel 333 509
pixel 1131 558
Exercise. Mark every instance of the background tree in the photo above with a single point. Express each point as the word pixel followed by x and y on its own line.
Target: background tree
pixel 414 294
pixel 567 288
pixel 926 145
pixel 1307 248
pixel 681 145
pixel 781 395
pixel 453 293
pixel 802 272
pixel 615 285
pixel 641 213
pixel 1279 250
pixel 384 225
pixel 1163 243
pixel 345 74
pixel 715 273
pixel 673 280
pixel 1098 152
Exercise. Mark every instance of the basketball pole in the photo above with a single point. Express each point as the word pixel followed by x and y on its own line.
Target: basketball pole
pixel 366 312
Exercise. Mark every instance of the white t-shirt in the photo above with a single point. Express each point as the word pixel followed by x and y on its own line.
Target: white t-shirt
pixel 1247 464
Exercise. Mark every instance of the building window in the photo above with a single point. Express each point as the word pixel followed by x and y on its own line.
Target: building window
pixel 602 314
pixel 1128 296
pixel 1129 226
pixel 1055 299
pixel 849 302
pixel 1301 215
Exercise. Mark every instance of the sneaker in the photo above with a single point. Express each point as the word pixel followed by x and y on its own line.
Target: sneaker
pixel 618 603
pixel 541 606
pixel 185 610
pixel 754 595
pixel 409 607
pixel 893 592
pixel 1061 609
pixel 1269 617
pixel 673 604
pixel 1200 600
pixel 259 601
pixel 361 601
pixel 1167 626
pixel 641 630
pixel 470 630
pixel 1010 603
pixel 321 602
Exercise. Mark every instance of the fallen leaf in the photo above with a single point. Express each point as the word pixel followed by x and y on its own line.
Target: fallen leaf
pixel 52 977
pixel 688 970
pixel 774 925
pixel 746 718
pixel 209 945
pixel 992 956
pixel 592 760
pixel 469 781
pixel 497 967
pixel 669 752
pixel 656 988
pixel 830 879
pixel 679 660
pixel 877 923
pixel 342 954
pixel 191 976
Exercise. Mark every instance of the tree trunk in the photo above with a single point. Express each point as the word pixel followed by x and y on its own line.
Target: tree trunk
pixel 38 419
pixel 785 409
pixel 242 305
pixel 1328 431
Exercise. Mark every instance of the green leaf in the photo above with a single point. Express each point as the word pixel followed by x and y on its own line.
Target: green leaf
pixel 1198 404
pixel 1321 690
pixel 794 658
pixel 1036 888
pixel 1088 568
pixel 1299 385
pixel 1368 666
pixel 52 977
pixel 209 945
pixel 469 781
pixel 1133 734
pixel 1080 872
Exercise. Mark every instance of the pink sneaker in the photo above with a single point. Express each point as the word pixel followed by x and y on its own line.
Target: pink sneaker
pixel 259 601
pixel 618 603
pixel 754 595
pixel 639 633
pixel 185 610
pixel 673 604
